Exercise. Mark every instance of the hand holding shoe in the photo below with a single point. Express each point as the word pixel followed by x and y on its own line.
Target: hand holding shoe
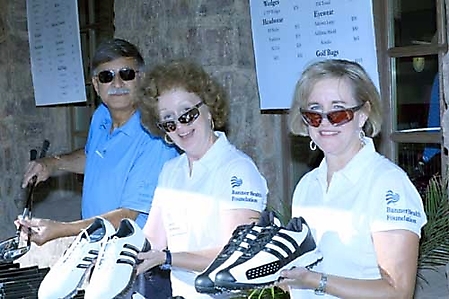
pixel 150 259
pixel 296 277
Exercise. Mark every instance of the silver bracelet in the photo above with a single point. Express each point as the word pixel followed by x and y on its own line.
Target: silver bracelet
pixel 321 289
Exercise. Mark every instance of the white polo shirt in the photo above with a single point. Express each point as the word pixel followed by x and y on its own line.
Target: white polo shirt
pixel 370 194
pixel 224 178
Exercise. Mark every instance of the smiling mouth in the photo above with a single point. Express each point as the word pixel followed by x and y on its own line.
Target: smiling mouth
pixel 118 91
pixel 186 134
pixel 328 133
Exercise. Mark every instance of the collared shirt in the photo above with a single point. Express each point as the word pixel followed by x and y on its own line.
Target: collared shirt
pixel 122 167
pixel 224 178
pixel 370 194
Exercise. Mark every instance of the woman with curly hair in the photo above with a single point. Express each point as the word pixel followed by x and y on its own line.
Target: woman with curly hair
pixel 206 192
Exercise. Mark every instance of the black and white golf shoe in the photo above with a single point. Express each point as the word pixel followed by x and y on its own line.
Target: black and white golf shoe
pixel 279 248
pixel 115 270
pixel 243 239
pixel 68 274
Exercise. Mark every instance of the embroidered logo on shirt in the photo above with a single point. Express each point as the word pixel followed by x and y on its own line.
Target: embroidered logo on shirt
pixel 391 197
pixel 236 182
pixel 248 196
pixel 399 213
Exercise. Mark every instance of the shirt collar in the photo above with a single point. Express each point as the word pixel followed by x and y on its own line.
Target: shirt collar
pixel 212 155
pixel 130 128
pixel 352 171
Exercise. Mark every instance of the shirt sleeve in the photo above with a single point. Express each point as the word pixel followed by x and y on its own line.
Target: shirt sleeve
pixel 243 186
pixel 99 114
pixel 396 204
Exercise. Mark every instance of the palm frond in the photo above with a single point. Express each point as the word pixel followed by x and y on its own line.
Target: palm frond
pixel 264 293
pixel 434 244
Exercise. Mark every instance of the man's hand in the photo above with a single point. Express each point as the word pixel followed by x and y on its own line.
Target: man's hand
pixel 42 230
pixel 40 168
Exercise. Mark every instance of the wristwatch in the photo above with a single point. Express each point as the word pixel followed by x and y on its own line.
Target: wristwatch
pixel 321 289
pixel 167 264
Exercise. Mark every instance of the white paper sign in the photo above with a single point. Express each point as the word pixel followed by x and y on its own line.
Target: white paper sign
pixel 55 50
pixel 288 35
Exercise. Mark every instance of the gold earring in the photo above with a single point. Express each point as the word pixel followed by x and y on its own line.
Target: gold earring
pixel 168 139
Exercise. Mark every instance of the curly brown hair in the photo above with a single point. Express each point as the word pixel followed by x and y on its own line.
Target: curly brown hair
pixel 186 75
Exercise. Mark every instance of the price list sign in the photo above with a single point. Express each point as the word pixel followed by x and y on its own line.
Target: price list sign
pixel 288 35
pixel 55 52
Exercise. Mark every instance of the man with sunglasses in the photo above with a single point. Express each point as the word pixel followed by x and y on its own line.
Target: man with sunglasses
pixel 120 162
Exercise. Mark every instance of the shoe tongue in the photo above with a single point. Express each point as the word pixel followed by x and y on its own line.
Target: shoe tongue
pixel 269 218
pixel 295 224
pixel 84 235
pixel 266 218
pixel 113 239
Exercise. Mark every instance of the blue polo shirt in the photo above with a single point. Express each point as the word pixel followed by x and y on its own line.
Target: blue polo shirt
pixel 122 167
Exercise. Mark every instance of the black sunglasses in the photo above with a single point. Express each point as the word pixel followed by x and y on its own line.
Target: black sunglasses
pixel 336 118
pixel 107 76
pixel 187 118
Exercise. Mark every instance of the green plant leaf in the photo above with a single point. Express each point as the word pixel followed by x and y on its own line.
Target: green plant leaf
pixel 434 243
pixel 263 293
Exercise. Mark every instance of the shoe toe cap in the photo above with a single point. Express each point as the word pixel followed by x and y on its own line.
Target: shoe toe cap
pixel 224 276
pixel 203 284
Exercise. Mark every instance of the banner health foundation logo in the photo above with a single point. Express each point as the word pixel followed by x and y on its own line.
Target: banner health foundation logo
pixel 399 214
pixel 391 197
pixel 243 195
pixel 236 182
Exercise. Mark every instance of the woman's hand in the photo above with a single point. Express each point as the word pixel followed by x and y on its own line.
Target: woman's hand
pixel 150 259
pixel 294 278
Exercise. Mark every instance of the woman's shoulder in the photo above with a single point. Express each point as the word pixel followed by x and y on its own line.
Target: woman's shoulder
pixel 176 162
pixel 237 159
pixel 381 165
pixel 229 154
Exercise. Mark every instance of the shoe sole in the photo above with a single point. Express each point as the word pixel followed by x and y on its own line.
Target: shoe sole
pixel 217 265
pixel 206 290
pixel 306 260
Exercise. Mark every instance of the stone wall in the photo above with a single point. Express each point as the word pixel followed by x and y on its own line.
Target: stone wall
pixel 22 125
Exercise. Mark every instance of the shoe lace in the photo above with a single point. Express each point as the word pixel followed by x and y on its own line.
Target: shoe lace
pixel 75 252
pixel 238 237
pixel 107 254
pixel 261 240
